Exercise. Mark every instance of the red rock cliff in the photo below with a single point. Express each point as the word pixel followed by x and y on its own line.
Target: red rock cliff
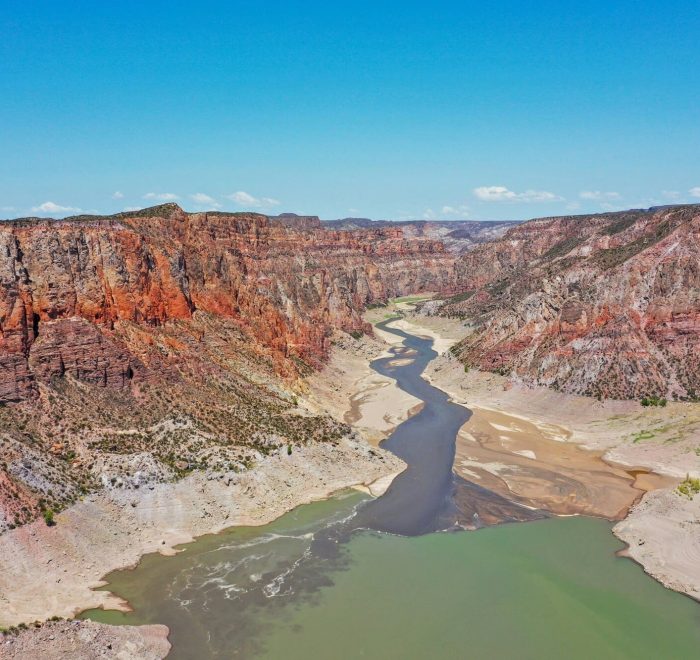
pixel 65 286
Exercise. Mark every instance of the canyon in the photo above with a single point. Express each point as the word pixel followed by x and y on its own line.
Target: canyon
pixel 144 345
pixel 605 305
pixel 78 282
pixel 138 347
pixel 157 363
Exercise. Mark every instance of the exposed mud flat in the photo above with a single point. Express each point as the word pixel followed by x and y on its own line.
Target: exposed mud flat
pixel 530 464
pixel 429 496
pixel 352 391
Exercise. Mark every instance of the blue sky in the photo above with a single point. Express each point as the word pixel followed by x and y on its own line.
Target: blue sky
pixel 379 109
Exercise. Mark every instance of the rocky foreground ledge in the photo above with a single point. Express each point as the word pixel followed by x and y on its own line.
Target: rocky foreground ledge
pixel 86 639
pixel 662 532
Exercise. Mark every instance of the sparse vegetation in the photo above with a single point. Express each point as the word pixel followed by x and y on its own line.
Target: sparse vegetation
pixel 411 299
pixel 562 248
pixel 642 435
pixel 654 401
pixel 611 257
pixel 620 225
pixel 460 297
pixel 689 487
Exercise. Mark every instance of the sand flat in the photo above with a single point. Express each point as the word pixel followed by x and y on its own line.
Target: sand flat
pixel 531 467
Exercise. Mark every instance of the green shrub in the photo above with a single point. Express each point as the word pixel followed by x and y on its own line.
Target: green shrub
pixel 654 401
pixel 689 487
pixel 48 517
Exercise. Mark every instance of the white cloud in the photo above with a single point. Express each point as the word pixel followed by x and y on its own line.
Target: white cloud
pixel 695 192
pixel 163 197
pixel 429 214
pixel 607 206
pixel 246 199
pixel 205 200
pixel 599 195
pixel 672 195
pixel 128 209
pixel 460 210
pixel 118 195
pixel 503 194
pixel 202 198
pixel 7 208
pixel 51 207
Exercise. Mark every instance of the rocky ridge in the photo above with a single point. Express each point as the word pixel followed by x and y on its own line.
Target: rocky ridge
pixel 286 286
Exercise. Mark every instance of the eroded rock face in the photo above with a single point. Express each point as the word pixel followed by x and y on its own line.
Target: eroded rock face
pixel 66 286
pixel 605 305
pixel 78 347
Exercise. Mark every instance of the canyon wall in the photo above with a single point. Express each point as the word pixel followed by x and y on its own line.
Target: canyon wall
pixel 604 305
pixel 66 286
pixel 138 347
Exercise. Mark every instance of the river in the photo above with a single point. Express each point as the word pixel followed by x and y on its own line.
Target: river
pixel 394 577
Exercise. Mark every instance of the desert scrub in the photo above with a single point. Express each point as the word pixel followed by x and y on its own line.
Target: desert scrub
pixel 654 400
pixel 642 435
pixel 562 248
pixel 689 487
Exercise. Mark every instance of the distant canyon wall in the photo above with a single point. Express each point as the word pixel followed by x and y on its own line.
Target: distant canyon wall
pixel 605 305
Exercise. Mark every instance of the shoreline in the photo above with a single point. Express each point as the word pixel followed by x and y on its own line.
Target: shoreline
pixel 376 404
pixel 113 530
pixel 660 528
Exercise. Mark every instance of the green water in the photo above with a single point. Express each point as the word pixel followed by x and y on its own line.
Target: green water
pixel 545 589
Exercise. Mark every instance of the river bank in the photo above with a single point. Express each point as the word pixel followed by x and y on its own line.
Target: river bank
pixel 113 530
pixel 353 392
pixel 297 594
pixel 47 571
pixel 570 454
